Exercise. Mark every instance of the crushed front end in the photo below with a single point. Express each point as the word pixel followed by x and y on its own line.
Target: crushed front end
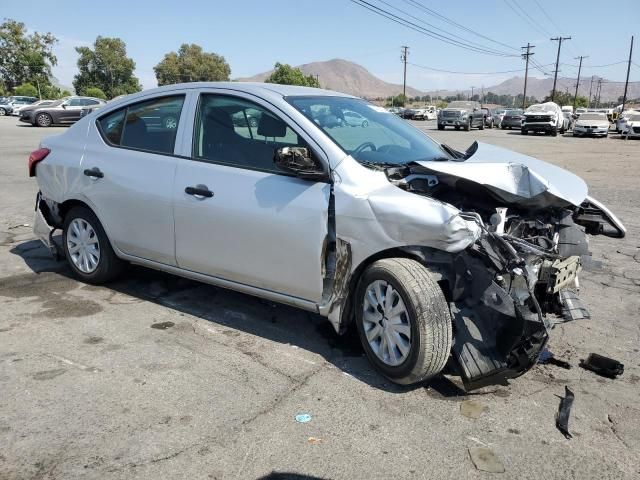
pixel 520 278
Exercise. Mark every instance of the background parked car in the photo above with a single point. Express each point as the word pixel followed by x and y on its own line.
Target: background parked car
pixel 632 126
pixel 61 112
pixel 512 118
pixel 498 115
pixel 13 102
pixel 487 115
pixel 42 103
pixel 621 122
pixel 354 119
pixel 595 123
pixel 568 116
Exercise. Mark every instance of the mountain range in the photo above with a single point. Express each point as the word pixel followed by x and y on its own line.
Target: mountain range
pixel 349 77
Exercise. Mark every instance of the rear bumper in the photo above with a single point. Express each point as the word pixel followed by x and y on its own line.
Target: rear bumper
pixel 41 227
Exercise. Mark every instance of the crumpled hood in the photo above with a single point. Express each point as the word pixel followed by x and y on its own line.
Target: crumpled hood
pixel 515 178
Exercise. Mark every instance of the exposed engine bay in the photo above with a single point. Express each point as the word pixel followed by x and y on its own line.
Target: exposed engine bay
pixel 520 278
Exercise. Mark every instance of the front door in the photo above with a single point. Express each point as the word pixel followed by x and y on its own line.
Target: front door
pixel 236 216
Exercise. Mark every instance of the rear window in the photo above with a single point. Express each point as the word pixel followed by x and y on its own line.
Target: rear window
pixel 150 126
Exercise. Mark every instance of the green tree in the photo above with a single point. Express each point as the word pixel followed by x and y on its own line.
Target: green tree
pixel 26 89
pixel 106 67
pixel 565 98
pixel 24 58
pixel 191 64
pixel 94 92
pixel 285 74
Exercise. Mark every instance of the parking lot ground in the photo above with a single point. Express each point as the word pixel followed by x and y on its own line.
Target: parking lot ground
pixel 94 383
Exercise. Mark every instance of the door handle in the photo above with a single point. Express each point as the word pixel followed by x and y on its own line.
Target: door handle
pixel 94 172
pixel 201 191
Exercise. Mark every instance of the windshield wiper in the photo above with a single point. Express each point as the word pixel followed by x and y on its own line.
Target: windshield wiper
pixel 454 153
pixel 380 165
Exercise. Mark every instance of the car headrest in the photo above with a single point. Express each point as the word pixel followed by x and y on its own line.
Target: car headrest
pixel 271 126
pixel 217 118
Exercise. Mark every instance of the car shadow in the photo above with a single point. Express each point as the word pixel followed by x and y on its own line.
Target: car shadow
pixel 276 322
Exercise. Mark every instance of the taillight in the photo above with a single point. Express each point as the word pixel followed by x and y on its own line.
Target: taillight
pixel 35 157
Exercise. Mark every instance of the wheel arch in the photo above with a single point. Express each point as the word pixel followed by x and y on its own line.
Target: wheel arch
pixel 417 253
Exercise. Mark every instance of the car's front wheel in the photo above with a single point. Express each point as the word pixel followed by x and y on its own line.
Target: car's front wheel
pixel 403 320
pixel 3 112
pixel 365 123
pixel 44 120
pixel 87 247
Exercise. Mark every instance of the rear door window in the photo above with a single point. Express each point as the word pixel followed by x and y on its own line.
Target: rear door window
pixel 150 126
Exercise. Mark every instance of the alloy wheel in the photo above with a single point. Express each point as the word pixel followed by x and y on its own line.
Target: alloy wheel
pixel 43 120
pixel 386 323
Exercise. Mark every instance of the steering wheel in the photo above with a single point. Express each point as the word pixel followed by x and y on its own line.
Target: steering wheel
pixel 364 145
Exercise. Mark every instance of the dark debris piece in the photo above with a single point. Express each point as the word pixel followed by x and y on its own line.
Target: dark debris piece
pixel 162 325
pixel 562 420
pixel 603 366
pixel 548 358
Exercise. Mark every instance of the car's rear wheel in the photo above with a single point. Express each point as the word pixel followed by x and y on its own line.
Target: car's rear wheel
pixel 403 320
pixel 87 247
pixel 44 120
pixel 523 131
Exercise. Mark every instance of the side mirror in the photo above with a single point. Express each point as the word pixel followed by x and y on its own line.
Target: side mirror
pixel 64 105
pixel 297 160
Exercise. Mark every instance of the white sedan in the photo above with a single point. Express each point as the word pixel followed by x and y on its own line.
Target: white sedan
pixel 592 123
pixel 632 127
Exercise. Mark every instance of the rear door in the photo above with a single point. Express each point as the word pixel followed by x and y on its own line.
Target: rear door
pixel 239 218
pixel 129 168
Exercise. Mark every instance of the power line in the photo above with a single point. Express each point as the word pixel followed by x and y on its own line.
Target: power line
pixel 429 11
pixel 547 15
pixel 595 66
pixel 435 27
pixel 530 22
pixel 470 73
pixel 424 31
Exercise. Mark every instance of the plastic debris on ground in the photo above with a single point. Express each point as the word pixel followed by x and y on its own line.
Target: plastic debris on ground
pixel 548 358
pixel 314 441
pixel 564 411
pixel 472 409
pixel 485 460
pixel 603 366
pixel 303 418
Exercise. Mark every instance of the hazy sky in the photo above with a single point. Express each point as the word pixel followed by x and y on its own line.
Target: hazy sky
pixel 252 34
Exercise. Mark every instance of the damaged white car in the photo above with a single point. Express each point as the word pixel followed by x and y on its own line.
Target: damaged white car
pixel 432 253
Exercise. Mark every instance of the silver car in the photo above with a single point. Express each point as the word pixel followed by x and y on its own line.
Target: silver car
pixel 430 252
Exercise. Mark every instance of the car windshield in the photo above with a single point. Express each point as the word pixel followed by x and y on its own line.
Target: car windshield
pixel 634 118
pixel 384 139
pixel 513 112
pixel 593 116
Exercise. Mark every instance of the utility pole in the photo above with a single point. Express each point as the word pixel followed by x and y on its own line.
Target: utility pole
pixel 472 93
pixel 555 76
pixel 590 90
pixel 575 97
pixel 626 83
pixel 526 73
pixel 598 89
pixel 403 57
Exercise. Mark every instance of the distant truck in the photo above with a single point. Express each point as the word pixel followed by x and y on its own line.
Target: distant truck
pixel 544 117
pixel 462 114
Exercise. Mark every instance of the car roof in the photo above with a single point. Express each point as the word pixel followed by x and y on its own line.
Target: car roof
pixel 248 87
